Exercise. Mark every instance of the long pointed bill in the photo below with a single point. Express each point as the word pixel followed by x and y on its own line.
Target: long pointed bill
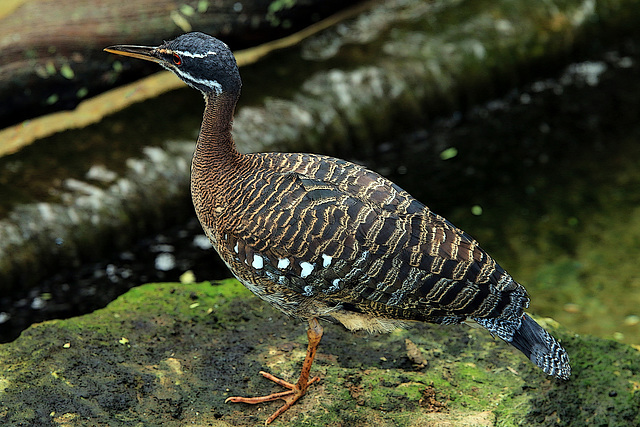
pixel 140 52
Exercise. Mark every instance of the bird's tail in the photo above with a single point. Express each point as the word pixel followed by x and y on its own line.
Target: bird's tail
pixel 536 343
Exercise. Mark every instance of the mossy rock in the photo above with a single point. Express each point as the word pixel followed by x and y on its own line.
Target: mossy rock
pixel 169 354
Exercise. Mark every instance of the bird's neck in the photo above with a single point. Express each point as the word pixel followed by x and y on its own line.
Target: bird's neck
pixel 215 150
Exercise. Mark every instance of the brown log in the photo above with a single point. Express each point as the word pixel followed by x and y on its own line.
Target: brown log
pixel 52 49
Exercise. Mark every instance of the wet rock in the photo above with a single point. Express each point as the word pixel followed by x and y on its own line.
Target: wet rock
pixel 154 357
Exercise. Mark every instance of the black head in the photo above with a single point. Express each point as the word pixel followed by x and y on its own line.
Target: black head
pixel 201 61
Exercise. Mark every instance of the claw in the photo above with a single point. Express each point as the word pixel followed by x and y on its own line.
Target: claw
pixel 297 390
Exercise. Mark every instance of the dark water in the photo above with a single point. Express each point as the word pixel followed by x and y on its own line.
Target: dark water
pixel 546 178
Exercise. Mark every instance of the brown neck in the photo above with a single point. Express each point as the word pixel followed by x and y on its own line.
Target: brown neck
pixel 215 150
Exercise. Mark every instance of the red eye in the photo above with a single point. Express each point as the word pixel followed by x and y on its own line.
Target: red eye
pixel 176 59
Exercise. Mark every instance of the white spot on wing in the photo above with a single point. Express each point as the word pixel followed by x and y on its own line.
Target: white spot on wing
pixel 335 286
pixel 283 263
pixel 235 248
pixel 258 262
pixel 308 290
pixel 307 268
pixel 326 260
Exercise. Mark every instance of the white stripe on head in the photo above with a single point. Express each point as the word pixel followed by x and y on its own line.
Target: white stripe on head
pixel 213 84
pixel 195 55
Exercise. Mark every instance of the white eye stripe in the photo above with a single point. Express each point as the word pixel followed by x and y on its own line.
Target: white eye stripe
pixel 195 55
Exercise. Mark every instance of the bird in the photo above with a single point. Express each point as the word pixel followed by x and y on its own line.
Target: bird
pixel 321 238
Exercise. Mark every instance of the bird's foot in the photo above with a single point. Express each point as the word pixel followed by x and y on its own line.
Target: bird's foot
pixel 295 392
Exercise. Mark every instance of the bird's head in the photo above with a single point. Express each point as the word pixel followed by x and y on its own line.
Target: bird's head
pixel 201 61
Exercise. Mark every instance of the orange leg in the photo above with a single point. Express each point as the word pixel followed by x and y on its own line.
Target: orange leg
pixel 297 390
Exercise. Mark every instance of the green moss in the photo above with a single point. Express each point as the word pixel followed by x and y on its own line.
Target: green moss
pixel 169 354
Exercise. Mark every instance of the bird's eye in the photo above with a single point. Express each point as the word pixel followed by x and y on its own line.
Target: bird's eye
pixel 176 59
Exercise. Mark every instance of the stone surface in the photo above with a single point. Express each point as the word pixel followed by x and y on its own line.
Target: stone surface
pixel 169 354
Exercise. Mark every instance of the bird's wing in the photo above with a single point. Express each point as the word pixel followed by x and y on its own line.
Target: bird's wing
pixel 364 243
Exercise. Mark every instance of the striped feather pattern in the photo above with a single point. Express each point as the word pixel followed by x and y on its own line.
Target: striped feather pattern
pixel 329 235
pixel 317 236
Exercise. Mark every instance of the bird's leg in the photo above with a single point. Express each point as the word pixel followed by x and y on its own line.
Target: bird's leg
pixel 297 390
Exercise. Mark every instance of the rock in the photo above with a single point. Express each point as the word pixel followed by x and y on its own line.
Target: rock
pixel 169 354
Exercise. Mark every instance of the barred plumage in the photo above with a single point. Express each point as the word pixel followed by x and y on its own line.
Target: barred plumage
pixel 321 237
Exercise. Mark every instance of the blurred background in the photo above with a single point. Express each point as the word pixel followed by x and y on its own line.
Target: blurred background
pixel 516 120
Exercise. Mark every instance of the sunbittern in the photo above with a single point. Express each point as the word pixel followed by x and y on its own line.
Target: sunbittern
pixel 320 237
